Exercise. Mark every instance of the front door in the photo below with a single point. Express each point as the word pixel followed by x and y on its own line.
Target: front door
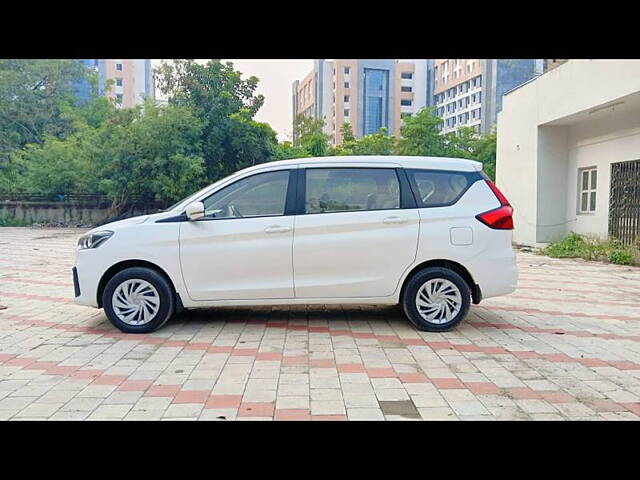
pixel 624 201
pixel 352 240
pixel 242 248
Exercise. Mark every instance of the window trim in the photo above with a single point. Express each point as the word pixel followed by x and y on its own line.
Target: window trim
pixel 406 198
pixel 588 191
pixel 472 177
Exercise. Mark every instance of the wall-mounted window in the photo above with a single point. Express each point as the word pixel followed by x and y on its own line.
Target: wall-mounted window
pixel 346 84
pixel 406 89
pixel 407 75
pixel 346 112
pixel 119 98
pixel 118 82
pixel 587 182
pixel 376 99
pixel 346 98
pixel 346 70
pixel 406 103
pixel 119 67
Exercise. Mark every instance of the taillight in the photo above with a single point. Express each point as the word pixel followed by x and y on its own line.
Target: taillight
pixel 500 218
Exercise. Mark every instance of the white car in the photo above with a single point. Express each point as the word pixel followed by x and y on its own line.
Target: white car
pixel 431 234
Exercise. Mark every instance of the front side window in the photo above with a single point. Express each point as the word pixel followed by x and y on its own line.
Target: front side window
pixel 439 188
pixel 588 181
pixel 351 189
pixel 259 195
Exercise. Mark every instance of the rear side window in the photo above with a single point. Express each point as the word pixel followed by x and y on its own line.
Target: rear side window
pixel 439 188
pixel 350 189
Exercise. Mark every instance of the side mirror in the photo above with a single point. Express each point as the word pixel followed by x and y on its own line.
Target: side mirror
pixel 195 211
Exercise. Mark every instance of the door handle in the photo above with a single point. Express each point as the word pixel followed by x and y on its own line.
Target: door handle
pixel 394 220
pixel 277 229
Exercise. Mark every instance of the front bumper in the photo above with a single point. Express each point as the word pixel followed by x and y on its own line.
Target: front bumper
pixel 76 283
pixel 86 278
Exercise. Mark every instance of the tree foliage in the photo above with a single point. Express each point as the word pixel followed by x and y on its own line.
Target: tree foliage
pixel 225 103
pixel 33 97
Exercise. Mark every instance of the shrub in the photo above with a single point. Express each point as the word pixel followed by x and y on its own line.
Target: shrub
pixel 591 247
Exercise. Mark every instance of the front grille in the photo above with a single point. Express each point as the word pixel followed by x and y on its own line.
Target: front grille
pixel 76 284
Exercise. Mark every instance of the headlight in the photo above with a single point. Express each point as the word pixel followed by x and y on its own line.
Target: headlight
pixel 93 240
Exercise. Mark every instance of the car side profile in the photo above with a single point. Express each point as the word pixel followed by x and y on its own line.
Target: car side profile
pixel 431 234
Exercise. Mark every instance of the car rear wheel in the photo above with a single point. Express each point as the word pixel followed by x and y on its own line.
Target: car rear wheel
pixel 436 299
pixel 138 300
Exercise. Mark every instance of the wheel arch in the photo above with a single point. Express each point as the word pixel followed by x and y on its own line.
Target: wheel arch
pixel 123 265
pixel 476 293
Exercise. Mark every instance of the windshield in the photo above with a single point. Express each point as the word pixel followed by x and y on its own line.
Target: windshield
pixel 193 196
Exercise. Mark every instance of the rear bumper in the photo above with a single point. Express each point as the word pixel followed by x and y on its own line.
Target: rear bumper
pixel 496 274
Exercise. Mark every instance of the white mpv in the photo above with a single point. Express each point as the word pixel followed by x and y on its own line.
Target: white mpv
pixel 431 234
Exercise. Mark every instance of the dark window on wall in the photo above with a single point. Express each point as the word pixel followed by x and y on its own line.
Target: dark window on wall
pixel 408 75
pixel 346 84
pixel 118 82
pixel 119 67
pixel 376 97
pixel 406 103
pixel 346 70
pixel 588 181
pixel 406 89
pixel 119 98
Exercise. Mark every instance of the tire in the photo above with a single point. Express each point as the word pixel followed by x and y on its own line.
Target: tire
pixel 451 283
pixel 154 292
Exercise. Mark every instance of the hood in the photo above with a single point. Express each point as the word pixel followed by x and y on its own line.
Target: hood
pixel 126 222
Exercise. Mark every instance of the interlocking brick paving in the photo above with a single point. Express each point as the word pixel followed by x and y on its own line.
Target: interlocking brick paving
pixel 565 345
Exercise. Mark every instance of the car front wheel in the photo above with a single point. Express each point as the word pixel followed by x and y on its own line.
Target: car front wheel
pixel 138 300
pixel 436 299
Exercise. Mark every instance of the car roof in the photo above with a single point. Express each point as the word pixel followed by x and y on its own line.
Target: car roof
pixel 435 163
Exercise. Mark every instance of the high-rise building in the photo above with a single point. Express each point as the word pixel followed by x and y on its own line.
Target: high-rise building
pixel 368 94
pixel 133 81
pixel 83 88
pixel 468 92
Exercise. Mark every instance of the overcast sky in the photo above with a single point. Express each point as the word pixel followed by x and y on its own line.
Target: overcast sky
pixel 275 77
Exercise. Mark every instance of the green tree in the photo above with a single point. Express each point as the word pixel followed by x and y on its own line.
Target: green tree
pixel 148 151
pixel 225 103
pixel 485 152
pixel 33 96
pixel 347 132
pixel 420 135
pixel 461 143
pixel 286 150
pixel 157 153
pixel 309 136
pixel 305 127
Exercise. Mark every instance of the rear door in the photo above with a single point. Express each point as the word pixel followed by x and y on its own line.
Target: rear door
pixel 355 235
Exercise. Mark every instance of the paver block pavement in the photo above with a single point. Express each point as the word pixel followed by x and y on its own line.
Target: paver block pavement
pixel 556 349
